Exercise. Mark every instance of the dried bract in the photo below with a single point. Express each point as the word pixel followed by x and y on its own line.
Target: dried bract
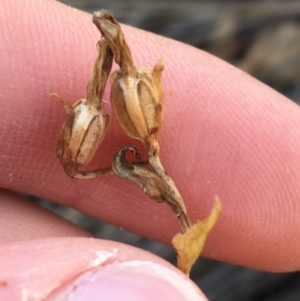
pixel 86 122
pixel 189 245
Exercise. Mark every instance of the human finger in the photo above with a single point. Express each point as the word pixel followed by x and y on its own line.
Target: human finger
pixel 88 269
pixel 22 220
pixel 224 133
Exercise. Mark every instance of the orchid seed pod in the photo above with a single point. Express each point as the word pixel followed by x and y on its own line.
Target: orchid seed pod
pixel 136 97
pixel 87 121
pixel 137 102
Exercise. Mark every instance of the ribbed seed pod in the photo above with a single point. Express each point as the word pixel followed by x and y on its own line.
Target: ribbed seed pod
pixel 87 121
pixel 136 97
pixel 137 102
pixel 81 134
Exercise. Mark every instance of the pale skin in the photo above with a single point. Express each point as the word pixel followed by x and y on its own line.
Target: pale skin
pixel 223 133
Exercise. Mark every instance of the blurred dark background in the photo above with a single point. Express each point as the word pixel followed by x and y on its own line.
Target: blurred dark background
pixel 263 39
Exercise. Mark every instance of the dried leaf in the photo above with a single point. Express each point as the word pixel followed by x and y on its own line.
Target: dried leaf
pixel 190 244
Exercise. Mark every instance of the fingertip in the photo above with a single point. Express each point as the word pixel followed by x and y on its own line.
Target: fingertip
pixel 21 220
pixel 87 269
pixel 224 133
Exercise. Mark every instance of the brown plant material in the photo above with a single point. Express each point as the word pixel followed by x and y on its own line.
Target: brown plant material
pixel 86 122
pixel 141 173
pixel 137 102
pixel 189 245
pixel 137 99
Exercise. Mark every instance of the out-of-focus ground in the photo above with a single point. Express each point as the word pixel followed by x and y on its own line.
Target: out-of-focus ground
pixel 263 39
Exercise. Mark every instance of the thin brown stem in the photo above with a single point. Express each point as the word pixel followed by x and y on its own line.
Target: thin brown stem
pixel 100 74
pixel 112 32
pixel 154 161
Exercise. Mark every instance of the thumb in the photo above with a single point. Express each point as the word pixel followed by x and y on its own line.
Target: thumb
pixel 88 269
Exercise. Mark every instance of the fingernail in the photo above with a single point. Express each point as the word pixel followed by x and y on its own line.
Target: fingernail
pixel 132 280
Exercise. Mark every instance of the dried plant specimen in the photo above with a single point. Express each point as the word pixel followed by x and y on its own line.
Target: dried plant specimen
pixel 137 102
pixel 87 121
pixel 151 183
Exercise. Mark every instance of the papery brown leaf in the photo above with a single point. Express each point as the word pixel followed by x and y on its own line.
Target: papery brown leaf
pixel 190 244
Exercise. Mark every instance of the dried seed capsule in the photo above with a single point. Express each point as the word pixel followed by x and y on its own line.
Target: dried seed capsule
pixel 82 132
pixel 137 99
pixel 87 121
pixel 137 102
